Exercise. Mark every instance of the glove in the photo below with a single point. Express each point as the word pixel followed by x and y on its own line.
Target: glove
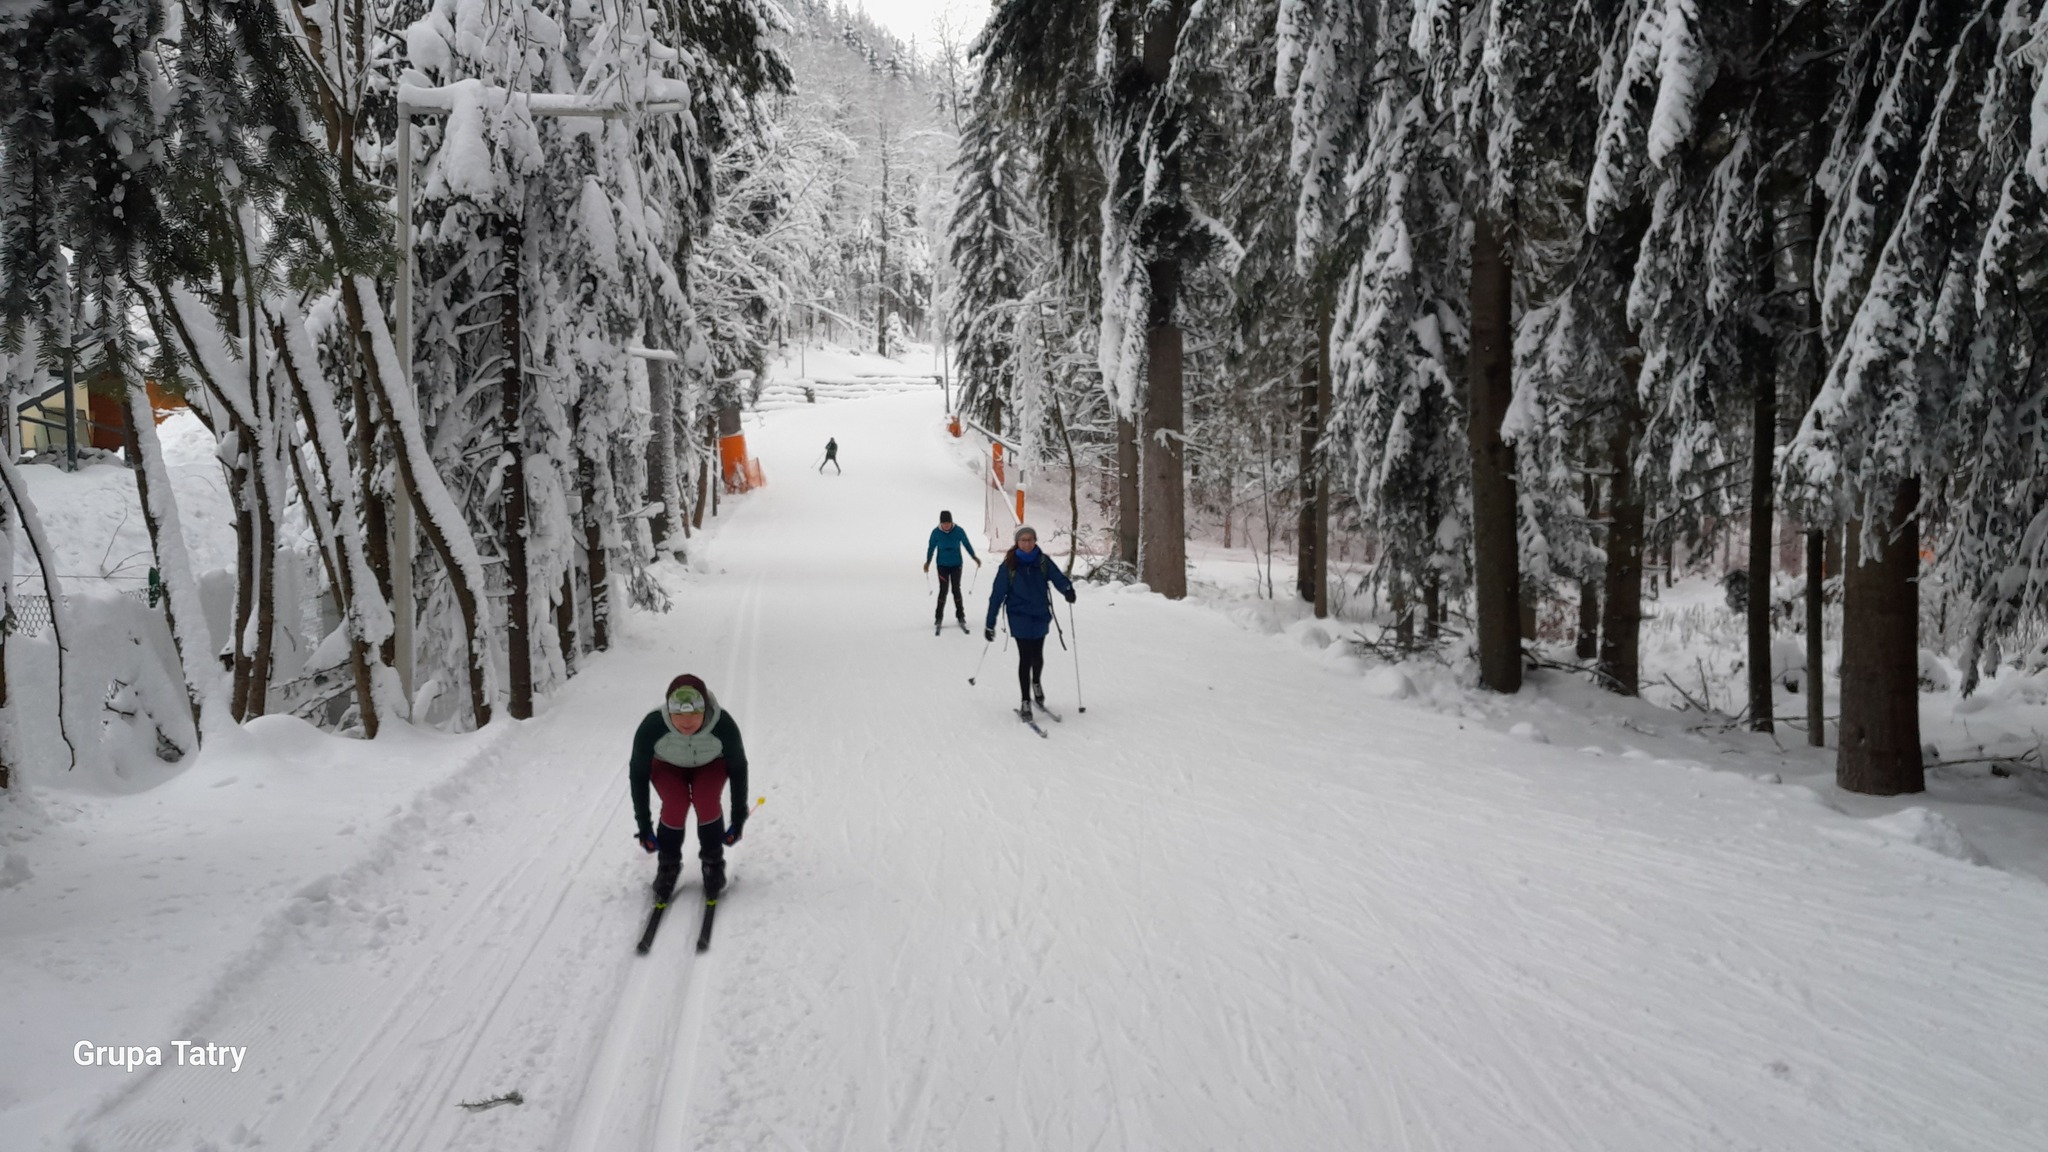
pixel 988 634
pixel 647 841
pixel 927 566
pixel 732 834
pixel 1069 594
pixel 977 561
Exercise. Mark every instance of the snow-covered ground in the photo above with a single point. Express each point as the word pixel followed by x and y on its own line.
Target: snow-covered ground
pixel 1258 896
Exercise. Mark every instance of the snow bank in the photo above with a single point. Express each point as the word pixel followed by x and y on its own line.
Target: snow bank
pixel 1930 830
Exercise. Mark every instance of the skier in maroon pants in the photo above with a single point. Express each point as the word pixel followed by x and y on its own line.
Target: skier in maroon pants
pixel 689 749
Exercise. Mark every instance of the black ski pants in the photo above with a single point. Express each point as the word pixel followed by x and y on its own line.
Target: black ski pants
pixel 1030 662
pixel 949 577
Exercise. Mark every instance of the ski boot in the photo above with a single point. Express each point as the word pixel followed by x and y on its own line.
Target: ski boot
pixel 1038 694
pixel 1024 710
pixel 711 854
pixel 668 861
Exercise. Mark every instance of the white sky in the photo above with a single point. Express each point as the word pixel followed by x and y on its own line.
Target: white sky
pixel 915 18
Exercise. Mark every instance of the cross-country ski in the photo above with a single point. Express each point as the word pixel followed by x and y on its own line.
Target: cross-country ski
pixel 653 924
pixel 704 926
pixel 1536 510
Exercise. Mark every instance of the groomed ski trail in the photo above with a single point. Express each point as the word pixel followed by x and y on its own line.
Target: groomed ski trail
pixel 1238 904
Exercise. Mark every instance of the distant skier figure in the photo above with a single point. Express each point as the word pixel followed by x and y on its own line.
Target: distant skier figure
pixel 831 457
pixel 1024 583
pixel 689 748
pixel 946 541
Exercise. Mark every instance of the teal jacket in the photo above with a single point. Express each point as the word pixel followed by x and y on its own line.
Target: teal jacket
pixel 718 738
pixel 948 545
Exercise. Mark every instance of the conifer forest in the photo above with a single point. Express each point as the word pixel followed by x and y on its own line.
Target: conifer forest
pixel 1525 299
pixel 1486 564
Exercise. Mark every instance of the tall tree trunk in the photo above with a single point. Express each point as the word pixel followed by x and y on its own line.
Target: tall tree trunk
pixel 593 542
pixel 1621 607
pixel 882 264
pixel 1588 645
pixel 269 512
pixel 1404 617
pixel 375 499
pixel 246 544
pixel 661 451
pixel 1762 365
pixel 1308 545
pixel 141 440
pixel 1326 320
pixel 1496 551
pixel 331 507
pixel 7 725
pixel 1816 541
pixel 1162 533
pixel 703 488
pixel 1128 500
pixel 1312 560
pixel 1816 621
pixel 1880 747
pixel 512 429
pixel 1162 542
pixel 416 468
pixel 1059 420
pixel 711 430
pixel 565 622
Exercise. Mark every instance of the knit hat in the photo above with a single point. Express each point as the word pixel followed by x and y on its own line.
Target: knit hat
pixel 1021 530
pixel 686 694
pixel 945 517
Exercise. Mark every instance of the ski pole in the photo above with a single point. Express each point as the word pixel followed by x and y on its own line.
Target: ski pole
pixel 978 663
pixel 1076 630
pixel 729 836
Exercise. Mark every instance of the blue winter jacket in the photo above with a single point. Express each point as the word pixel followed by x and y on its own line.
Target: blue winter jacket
pixel 948 545
pixel 1026 590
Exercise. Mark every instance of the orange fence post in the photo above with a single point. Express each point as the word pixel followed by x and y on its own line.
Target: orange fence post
pixel 1020 504
pixel 996 446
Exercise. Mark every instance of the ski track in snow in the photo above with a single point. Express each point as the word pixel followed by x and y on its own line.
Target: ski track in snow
pixel 1238 904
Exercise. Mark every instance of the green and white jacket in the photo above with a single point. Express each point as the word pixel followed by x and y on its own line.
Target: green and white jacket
pixel 719 738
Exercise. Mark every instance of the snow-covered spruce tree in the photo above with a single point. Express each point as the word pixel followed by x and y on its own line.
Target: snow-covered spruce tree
pixel 1576 421
pixel 1367 135
pixel 871 123
pixel 1149 58
pixel 1439 167
pixel 1277 306
pixel 1139 113
pixel 1933 232
pixel 1053 111
pixel 1702 127
pixel 1398 347
pixel 1990 547
pixel 204 259
pixel 991 264
pixel 479 179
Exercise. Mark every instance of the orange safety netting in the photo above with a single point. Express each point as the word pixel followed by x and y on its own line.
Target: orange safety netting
pixel 732 461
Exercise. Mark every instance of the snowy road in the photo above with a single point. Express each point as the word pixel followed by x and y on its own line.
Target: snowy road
pixel 1240 904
